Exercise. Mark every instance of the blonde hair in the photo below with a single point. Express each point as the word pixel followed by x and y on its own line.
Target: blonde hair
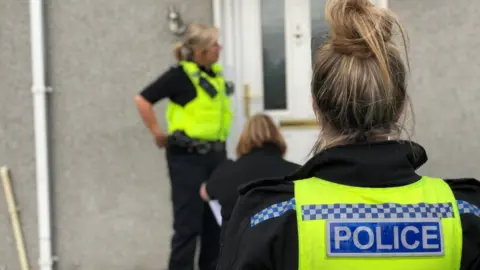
pixel 197 37
pixel 259 130
pixel 359 77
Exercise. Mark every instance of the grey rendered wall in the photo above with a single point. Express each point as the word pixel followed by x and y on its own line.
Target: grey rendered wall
pixel 110 190
pixel 16 132
pixel 445 82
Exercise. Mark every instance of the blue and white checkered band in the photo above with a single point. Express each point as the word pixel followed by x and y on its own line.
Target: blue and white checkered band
pixel 352 211
pixel 467 208
pixel 376 211
pixel 273 211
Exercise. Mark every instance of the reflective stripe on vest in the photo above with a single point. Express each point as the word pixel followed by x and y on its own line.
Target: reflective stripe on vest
pixel 205 117
pixel 413 227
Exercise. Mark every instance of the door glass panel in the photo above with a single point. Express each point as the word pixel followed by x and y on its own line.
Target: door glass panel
pixel 319 24
pixel 273 48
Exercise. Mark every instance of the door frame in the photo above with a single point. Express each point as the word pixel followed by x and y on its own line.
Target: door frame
pixel 227 16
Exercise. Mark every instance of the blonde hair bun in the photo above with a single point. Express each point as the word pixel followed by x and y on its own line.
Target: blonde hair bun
pixel 359 81
pixel 357 27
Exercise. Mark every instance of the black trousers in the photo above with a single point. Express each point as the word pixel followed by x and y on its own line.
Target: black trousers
pixel 192 217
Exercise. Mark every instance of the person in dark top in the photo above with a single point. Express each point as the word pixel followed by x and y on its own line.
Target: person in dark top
pixel 260 149
pixel 198 117
pixel 358 203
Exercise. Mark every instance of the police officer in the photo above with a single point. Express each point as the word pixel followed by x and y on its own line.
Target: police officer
pixel 358 203
pixel 198 116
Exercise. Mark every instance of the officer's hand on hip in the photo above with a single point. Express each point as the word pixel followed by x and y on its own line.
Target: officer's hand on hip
pixel 203 192
pixel 161 139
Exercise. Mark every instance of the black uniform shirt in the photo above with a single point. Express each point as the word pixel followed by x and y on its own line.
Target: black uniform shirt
pixel 260 163
pixel 273 244
pixel 175 85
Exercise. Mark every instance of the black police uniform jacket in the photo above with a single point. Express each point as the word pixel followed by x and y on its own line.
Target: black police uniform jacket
pixel 274 243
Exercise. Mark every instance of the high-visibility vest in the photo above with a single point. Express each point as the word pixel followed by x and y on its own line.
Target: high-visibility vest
pixel 208 116
pixel 412 227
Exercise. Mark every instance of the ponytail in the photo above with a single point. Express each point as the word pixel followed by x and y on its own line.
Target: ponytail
pixel 177 51
pixel 182 52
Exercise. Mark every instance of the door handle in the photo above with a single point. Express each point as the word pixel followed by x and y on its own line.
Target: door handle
pixel 247 99
pixel 299 124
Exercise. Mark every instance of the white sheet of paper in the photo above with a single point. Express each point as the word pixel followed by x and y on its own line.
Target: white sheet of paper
pixel 216 209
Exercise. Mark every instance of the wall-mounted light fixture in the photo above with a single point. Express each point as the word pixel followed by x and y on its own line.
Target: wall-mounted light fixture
pixel 175 22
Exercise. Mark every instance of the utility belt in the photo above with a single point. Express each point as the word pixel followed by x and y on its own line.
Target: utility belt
pixel 179 139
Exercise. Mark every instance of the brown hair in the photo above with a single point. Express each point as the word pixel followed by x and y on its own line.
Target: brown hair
pixel 197 37
pixel 259 130
pixel 359 78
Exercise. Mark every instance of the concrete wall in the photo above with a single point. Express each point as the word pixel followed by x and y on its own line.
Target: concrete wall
pixel 110 185
pixel 445 84
pixel 16 132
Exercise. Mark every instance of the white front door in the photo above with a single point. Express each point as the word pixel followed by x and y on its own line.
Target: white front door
pixel 268 52
pixel 276 41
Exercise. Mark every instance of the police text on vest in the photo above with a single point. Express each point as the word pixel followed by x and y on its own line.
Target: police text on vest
pixel 388 238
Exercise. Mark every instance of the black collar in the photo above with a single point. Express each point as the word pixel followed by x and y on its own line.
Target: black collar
pixel 267 148
pixel 209 71
pixel 381 164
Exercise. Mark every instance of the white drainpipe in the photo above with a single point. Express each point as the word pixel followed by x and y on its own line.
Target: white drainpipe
pixel 39 90
pixel 217 22
pixel 217 15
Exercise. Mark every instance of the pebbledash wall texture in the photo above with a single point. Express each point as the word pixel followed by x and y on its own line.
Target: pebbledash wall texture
pixel 111 194
pixel 444 82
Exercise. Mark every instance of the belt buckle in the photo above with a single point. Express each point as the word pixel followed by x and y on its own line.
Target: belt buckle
pixel 203 147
